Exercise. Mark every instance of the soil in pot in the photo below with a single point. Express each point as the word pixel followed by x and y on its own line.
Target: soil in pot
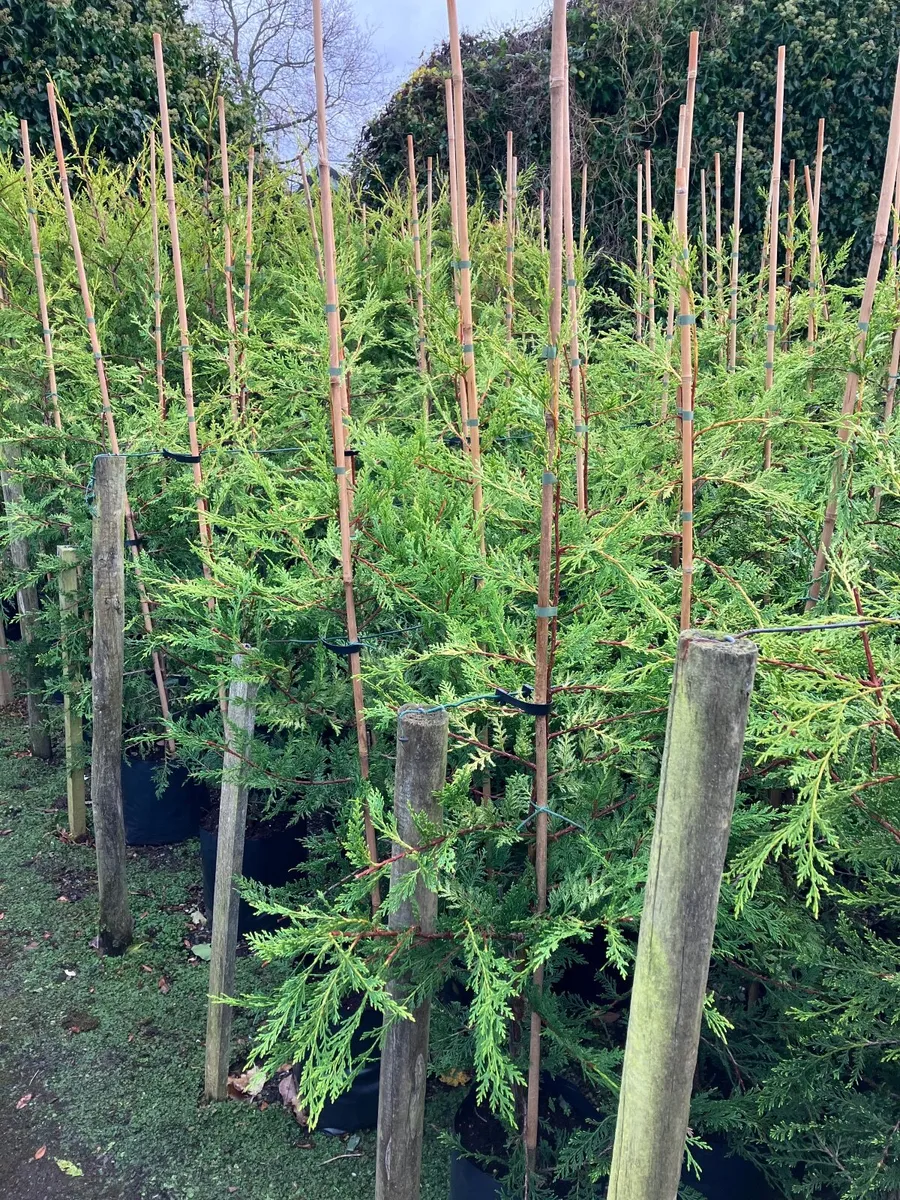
pixel 271 852
pixel 172 815
pixel 563 1107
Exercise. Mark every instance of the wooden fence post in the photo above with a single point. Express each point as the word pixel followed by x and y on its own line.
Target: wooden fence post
pixel 421 771
pixel 239 723
pixel 108 553
pixel 68 609
pixel 27 599
pixel 708 710
pixel 7 693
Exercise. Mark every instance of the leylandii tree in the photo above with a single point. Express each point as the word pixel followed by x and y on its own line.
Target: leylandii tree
pixel 797 1057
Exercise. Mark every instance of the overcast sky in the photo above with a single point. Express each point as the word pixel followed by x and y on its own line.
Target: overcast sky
pixel 406 29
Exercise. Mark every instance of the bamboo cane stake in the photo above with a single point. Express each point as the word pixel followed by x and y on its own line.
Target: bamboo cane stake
pixel 670 316
pixel 735 244
pixel 181 302
pixel 465 265
pixel 651 278
pixel 771 328
pixel 764 255
pixel 248 270
pixel 544 613
pixel 583 223
pixel 46 332
pixel 578 416
pixel 789 255
pixel 888 183
pixel 685 321
pixel 704 253
pixel 229 262
pixel 187 366
pixel 105 401
pixel 894 367
pixel 813 201
pixel 639 257
pixel 157 285
pixel 313 227
pixel 543 220
pixel 429 222
pixel 720 295
pixel 454 228
pixel 510 234
pixel 336 374
pixel 417 255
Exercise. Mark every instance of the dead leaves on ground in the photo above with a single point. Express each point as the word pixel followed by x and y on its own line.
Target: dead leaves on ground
pixel 262 1092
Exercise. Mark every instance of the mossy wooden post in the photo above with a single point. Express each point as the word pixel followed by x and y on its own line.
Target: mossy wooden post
pixel 229 862
pixel 421 771
pixel 7 693
pixel 708 709
pixel 26 599
pixel 108 552
pixel 68 610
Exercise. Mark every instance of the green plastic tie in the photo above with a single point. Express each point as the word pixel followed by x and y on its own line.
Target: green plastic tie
pixel 686 319
pixel 581 428
pixel 548 477
pixel 472 422
pixel 330 308
pixel 463 264
pixel 770 366
pixel 686 414
pixel 542 808
pixel 339 470
pixel 335 372
pixel 575 362
pixel 686 516
pixel 549 352
pixel 548 610
pixel 468 348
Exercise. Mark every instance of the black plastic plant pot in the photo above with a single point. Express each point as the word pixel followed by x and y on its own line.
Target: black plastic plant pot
pixel 481 1134
pixel 471 1182
pixel 727 1177
pixel 156 820
pixel 270 855
pixel 357 1108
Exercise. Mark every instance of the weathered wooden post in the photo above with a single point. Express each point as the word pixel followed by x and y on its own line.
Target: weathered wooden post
pixel 7 693
pixel 239 723
pixel 27 600
pixel 708 710
pixel 421 771
pixel 108 552
pixel 68 609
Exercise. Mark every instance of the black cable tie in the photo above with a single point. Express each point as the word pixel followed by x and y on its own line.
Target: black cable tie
pixel 527 706
pixel 343 649
pixel 184 458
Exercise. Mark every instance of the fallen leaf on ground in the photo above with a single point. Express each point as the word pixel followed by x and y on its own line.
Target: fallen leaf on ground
pixel 23 1100
pixel 353 1142
pixel 202 950
pixel 163 985
pixel 287 1090
pixel 68 1168
pixel 31 946
pixel 5 832
pixel 40 1153
pixel 197 917
pixel 63 899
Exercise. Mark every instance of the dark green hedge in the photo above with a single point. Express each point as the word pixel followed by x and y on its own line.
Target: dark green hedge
pixel 628 63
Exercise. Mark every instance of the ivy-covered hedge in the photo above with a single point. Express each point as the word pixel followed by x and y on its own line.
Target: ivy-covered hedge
pixel 627 68
pixel 100 56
